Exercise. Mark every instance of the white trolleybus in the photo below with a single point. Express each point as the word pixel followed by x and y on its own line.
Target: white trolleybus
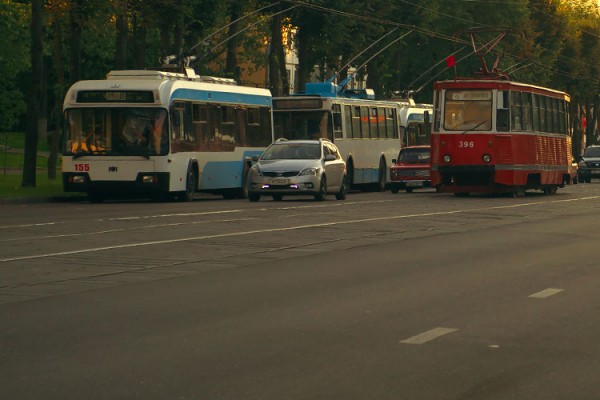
pixel 162 135
pixel 365 130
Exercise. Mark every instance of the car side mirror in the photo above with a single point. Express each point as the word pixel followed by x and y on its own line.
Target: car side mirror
pixel 394 161
pixel 330 157
pixel 255 158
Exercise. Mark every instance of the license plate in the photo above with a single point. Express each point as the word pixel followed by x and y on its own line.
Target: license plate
pixel 413 183
pixel 280 181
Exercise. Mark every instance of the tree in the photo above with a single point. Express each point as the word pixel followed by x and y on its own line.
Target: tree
pixel 16 57
pixel 36 96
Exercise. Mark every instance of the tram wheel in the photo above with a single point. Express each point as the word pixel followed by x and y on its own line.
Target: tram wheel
pixel 518 192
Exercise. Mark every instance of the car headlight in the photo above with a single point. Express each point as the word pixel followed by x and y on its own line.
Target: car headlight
pixel 309 171
pixel 255 171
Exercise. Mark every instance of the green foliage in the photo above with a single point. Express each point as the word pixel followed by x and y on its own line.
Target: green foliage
pixel 14 60
pixel 554 43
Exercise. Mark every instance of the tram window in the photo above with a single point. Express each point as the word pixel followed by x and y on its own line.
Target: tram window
pixel 516 111
pixel 555 116
pixel 536 113
pixel 561 117
pixel 468 110
pixel 526 107
pixel 437 118
pixel 502 112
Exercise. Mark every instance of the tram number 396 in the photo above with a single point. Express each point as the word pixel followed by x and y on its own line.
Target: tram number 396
pixel 466 144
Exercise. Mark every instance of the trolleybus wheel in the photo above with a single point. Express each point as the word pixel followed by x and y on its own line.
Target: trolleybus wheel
pixel 190 185
pixel 95 197
pixel 381 178
pixel 395 189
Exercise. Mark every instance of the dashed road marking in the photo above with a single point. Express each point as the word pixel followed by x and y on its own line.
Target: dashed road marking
pixel 428 336
pixel 546 293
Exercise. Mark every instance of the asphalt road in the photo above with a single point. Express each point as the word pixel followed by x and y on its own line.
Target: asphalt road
pixel 381 296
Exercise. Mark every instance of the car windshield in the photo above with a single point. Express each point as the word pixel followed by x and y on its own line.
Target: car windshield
pixel 592 152
pixel 293 151
pixel 414 156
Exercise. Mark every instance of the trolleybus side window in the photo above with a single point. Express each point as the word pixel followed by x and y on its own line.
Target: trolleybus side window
pixel 364 119
pixel 356 125
pixel 337 121
pixel 348 121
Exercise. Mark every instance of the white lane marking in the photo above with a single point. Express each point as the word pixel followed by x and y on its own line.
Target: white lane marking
pixel 104 232
pixel 28 225
pixel 428 336
pixel 546 293
pixel 172 215
pixel 254 232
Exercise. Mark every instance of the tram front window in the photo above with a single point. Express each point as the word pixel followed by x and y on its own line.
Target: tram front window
pixel 115 131
pixel 468 110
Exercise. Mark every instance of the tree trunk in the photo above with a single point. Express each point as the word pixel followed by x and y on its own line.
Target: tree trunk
pixel 231 63
pixel 35 98
pixel 75 41
pixel 59 94
pixel 139 43
pixel 121 36
pixel 304 68
pixel 274 61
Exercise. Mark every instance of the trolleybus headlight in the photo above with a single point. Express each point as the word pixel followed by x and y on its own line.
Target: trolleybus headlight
pixel 486 158
pixel 447 158
pixel 149 179
pixel 77 179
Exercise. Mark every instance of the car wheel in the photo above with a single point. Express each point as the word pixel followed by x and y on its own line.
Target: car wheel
pixel 322 190
pixel 277 197
pixel 341 195
pixel 253 197
pixel 395 189
pixel 409 190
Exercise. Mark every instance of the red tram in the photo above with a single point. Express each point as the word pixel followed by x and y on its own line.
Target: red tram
pixel 493 135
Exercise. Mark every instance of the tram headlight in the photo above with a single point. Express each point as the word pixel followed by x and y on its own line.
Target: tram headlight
pixel 486 158
pixel 447 158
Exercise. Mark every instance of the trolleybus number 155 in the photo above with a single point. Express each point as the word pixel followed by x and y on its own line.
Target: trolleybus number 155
pixel 81 167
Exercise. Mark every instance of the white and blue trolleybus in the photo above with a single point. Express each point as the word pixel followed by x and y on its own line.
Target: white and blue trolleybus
pixel 365 130
pixel 162 135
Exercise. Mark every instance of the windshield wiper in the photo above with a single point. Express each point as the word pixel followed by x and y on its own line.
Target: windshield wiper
pixel 475 127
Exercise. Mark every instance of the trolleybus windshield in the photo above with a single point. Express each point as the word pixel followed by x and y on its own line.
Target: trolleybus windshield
pixel 303 125
pixel 116 131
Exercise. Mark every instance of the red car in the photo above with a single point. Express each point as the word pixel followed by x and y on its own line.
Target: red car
pixel 411 169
